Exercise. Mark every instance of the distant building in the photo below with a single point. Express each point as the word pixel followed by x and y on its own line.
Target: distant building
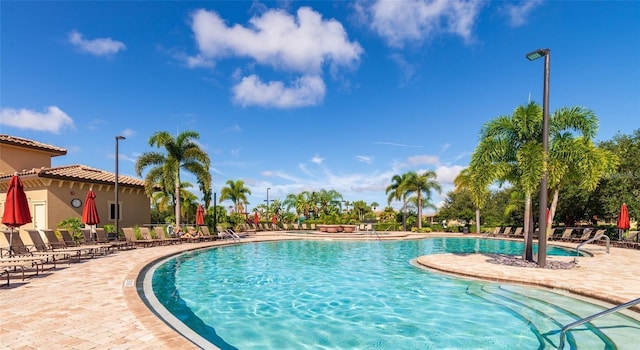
pixel 58 193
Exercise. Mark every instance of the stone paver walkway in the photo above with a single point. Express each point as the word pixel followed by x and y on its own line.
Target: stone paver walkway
pixel 94 304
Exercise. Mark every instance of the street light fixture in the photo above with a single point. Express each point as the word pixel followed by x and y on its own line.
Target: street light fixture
pixel 542 219
pixel 267 218
pixel 116 210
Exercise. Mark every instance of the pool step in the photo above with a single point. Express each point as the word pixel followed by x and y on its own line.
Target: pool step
pixel 544 318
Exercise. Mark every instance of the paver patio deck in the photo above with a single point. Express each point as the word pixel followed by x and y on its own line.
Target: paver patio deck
pixel 94 304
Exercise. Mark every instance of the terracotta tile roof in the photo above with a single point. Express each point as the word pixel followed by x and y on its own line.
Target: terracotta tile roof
pixel 79 173
pixel 26 143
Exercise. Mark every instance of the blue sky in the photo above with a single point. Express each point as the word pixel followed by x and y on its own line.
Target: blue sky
pixel 293 95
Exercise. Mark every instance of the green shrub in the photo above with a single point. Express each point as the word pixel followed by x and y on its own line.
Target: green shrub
pixel 74 226
pixel 109 228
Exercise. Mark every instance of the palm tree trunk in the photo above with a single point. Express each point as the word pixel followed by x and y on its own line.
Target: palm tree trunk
pixel 419 210
pixel 478 220
pixel 552 211
pixel 177 201
pixel 528 232
pixel 404 215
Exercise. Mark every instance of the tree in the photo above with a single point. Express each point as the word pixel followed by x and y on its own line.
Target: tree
pixel 234 191
pixel 182 153
pixel 510 150
pixel 465 181
pixel 623 184
pixel 398 191
pixel 422 184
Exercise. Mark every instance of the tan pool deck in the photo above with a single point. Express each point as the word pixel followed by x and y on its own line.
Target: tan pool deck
pixel 94 304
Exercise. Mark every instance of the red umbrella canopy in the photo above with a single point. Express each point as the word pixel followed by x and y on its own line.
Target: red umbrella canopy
pixel 90 211
pixel 623 218
pixel 255 218
pixel 16 207
pixel 200 216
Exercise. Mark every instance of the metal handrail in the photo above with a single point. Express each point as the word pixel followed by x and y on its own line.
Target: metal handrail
pixel 593 317
pixel 589 241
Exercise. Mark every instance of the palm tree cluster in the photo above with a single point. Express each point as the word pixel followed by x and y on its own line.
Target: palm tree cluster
pixel 510 151
pixel 416 188
pixel 180 153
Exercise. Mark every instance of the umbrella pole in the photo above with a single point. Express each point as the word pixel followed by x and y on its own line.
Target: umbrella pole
pixel 11 242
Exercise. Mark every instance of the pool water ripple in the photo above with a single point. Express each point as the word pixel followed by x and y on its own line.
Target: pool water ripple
pixel 348 295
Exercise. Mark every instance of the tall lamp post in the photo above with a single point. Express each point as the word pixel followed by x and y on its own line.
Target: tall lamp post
pixel 116 210
pixel 542 219
pixel 267 218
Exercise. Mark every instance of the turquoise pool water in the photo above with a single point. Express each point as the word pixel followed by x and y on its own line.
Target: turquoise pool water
pixel 367 295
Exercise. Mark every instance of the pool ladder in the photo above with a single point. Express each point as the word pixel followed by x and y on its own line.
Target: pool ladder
pixel 593 317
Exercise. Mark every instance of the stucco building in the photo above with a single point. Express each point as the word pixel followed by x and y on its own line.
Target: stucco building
pixel 58 193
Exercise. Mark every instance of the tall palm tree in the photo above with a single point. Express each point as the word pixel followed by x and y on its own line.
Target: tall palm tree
pixel 510 150
pixel 234 191
pixel 397 191
pixel 421 184
pixel 181 153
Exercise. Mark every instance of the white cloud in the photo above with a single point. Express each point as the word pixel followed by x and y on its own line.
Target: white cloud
pixel 277 39
pixel 365 159
pixel 305 91
pixel 303 43
pixel 236 151
pixel 518 11
pixel 445 147
pixel 399 22
pixel 446 174
pixel 52 120
pixel 97 47
pixel 127 132
pixel 317 159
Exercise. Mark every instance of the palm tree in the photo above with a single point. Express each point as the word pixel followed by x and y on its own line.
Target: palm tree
pixel 182 153
pixel 422 184
pixel 396 191
pixel 326 199
pixel 510 150
pixel 234 191
pixel 464 182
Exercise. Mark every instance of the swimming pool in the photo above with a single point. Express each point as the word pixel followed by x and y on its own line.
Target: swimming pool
pixel 366 295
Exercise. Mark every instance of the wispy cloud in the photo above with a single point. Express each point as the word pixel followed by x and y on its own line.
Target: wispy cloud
pixel 302 44
pixel 396 144
pixel 365 159
pixel 236 151
pixel 96 47
pixel 234 128
pixel 424 160
pixel 445 147
pixel 127 132
pixel 52 120
pixel 317 159
pixel 518 12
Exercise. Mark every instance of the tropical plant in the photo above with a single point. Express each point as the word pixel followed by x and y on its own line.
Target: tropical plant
pixel 510 150
pixel 422 184
pixel 398 191
pixel 181 153
pixel 74 226
pixel 236 192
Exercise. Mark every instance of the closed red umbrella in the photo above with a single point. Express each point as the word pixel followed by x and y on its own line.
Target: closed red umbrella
pixel 200 216
pixel 623 220
pixel 16 207
pixel 255 218
pixel 274 219
pixel 90 211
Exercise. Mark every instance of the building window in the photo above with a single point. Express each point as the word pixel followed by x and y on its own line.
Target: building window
pixel 112 211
